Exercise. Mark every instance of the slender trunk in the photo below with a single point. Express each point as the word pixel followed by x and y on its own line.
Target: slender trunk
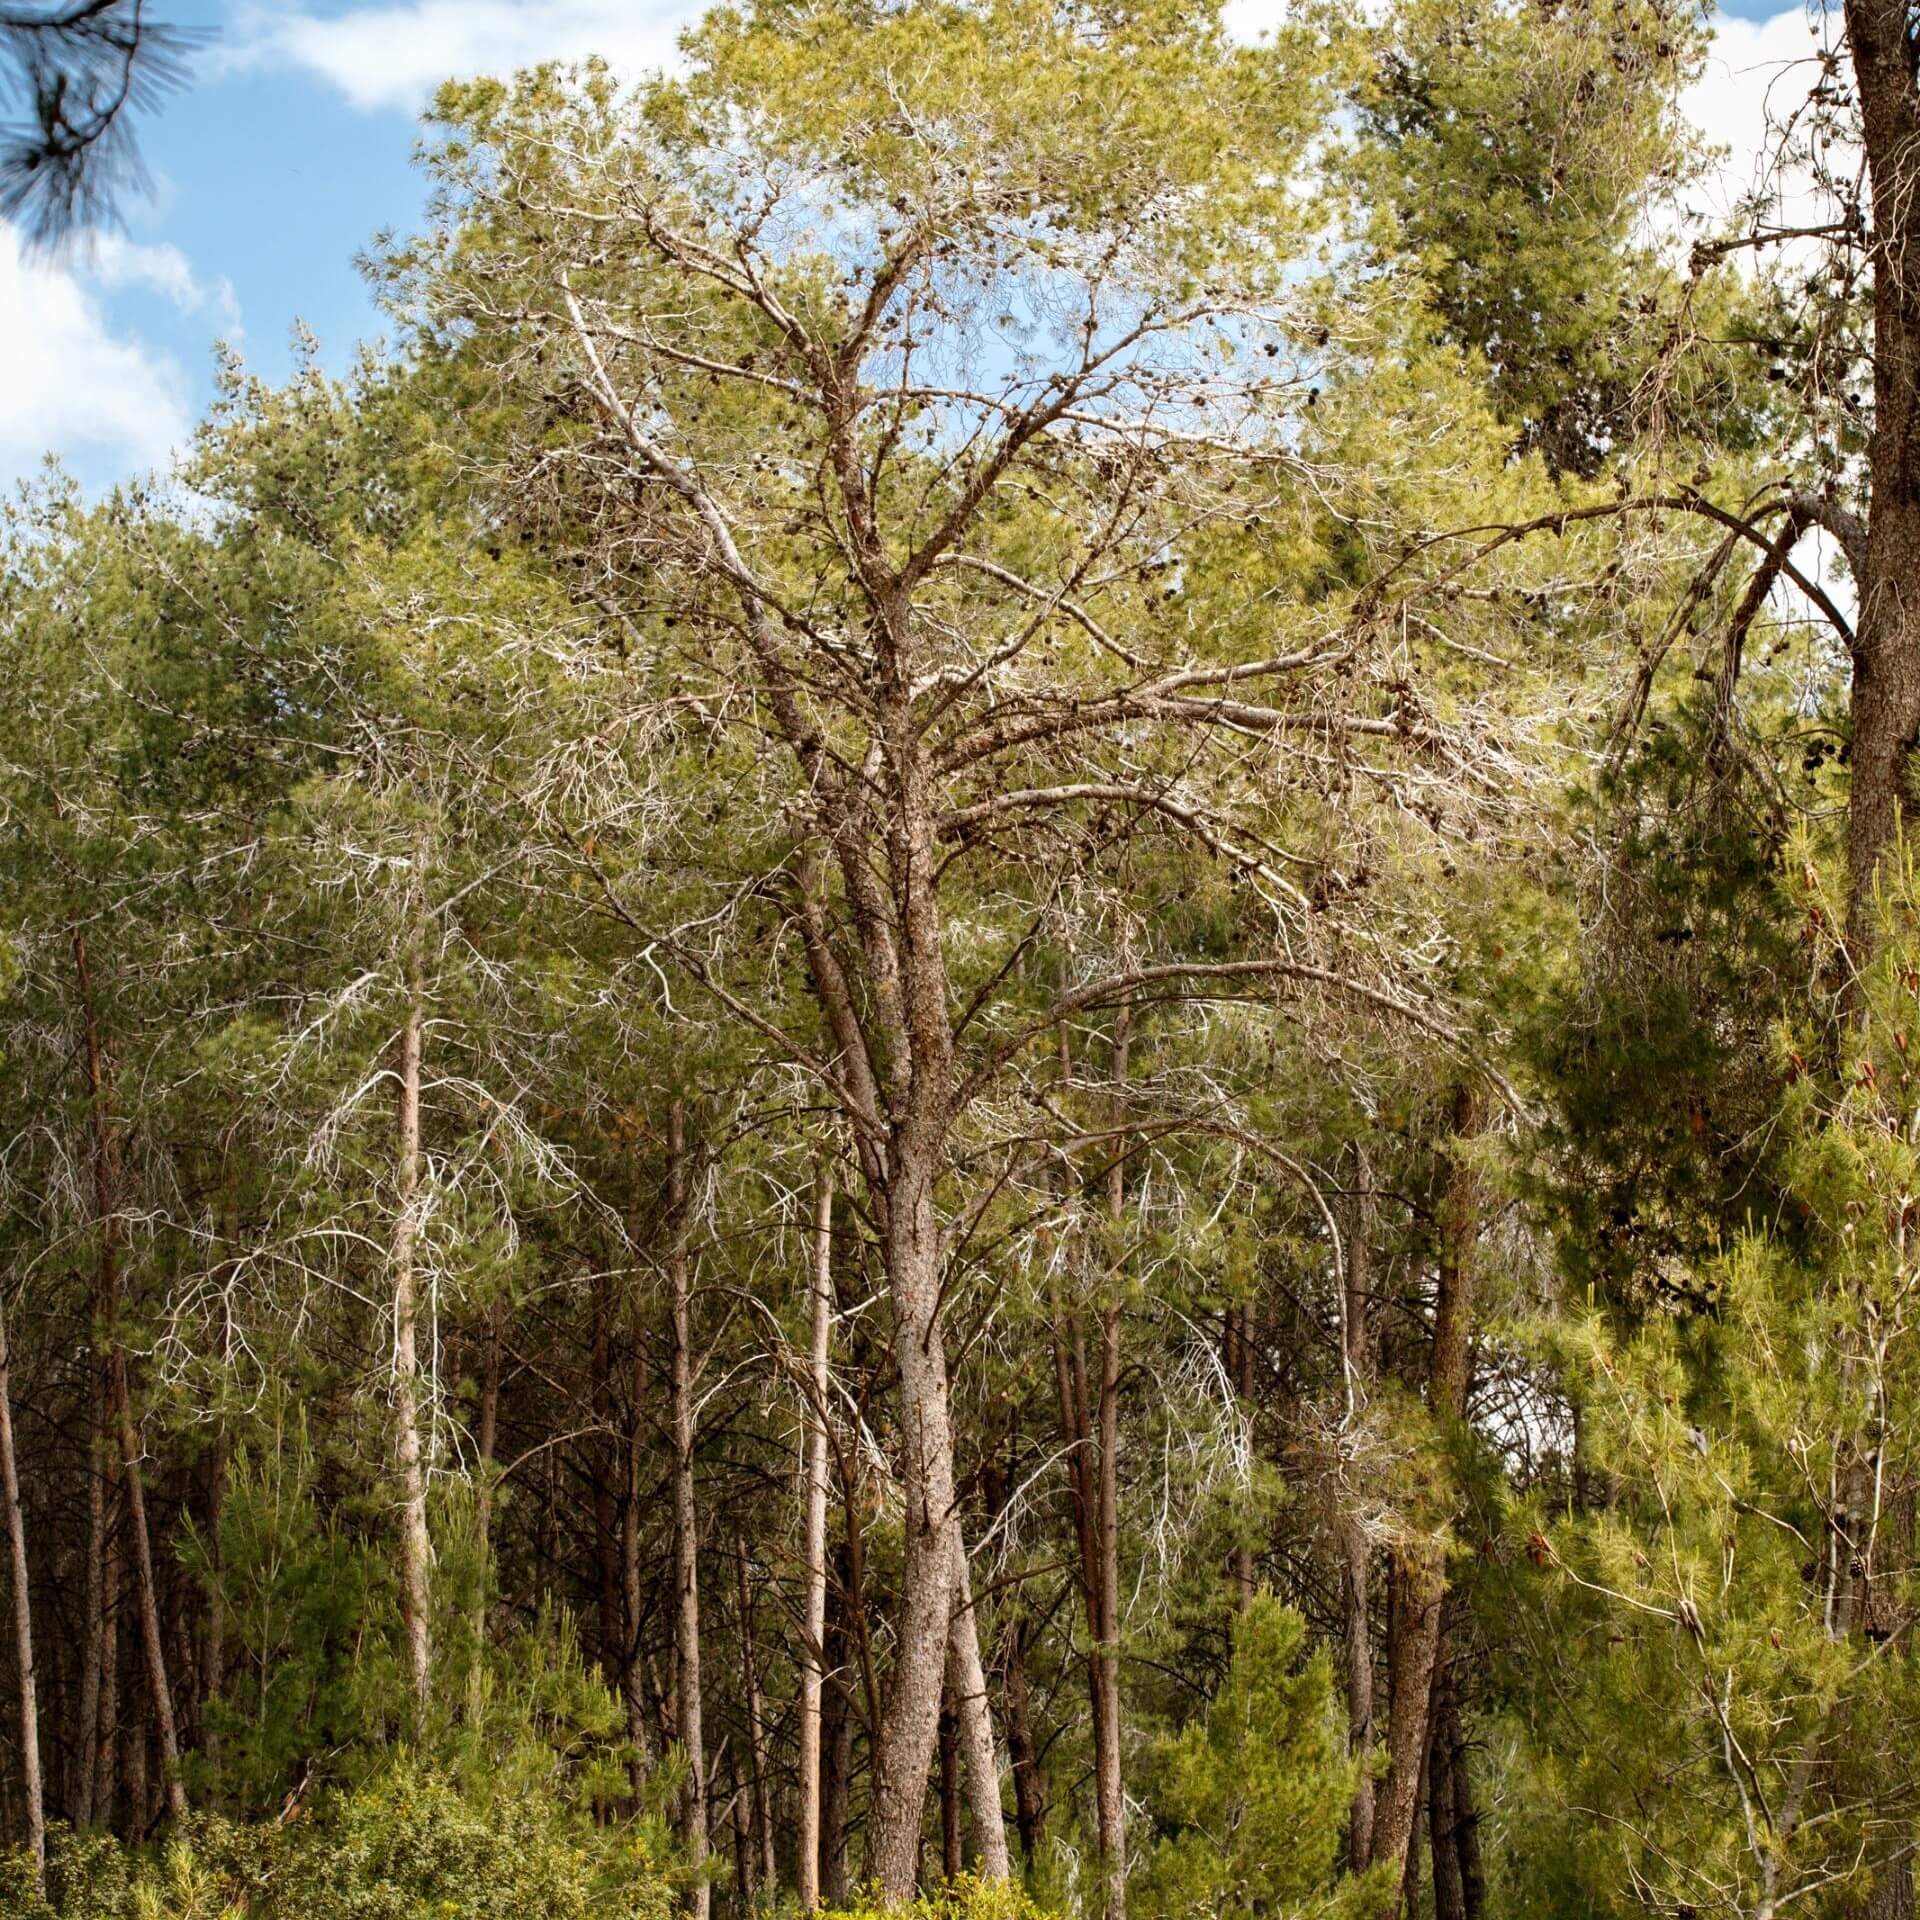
pixel 746 1877
pixel 836 1743
pixel 813 1630
pixel 633 1668
pixel 952 1860
pixel 106 1731
pixel 604 1459
pixel 1236 1358
pixel 756 1719
pixel 1110 1786
pixel 213 1659
pixel 686 1541
pixel 486 1440
pixel 1421 1576
pixel 106 1183
pixel 1352 1546
pixel 973 1717
pixel 36 1806
pixel 1029 1786
pixel 81 1796
pixel 1449 1891
pixel 146 1593
pixel 416 1546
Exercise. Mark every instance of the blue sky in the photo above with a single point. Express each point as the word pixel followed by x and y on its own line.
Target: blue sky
pixel 293 147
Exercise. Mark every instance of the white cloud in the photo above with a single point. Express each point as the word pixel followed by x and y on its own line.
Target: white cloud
pixel 73 386
pixel 395 56
pixel 112 261
pixel 1758 73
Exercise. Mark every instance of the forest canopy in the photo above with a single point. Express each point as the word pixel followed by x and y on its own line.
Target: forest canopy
pixel 1004 1014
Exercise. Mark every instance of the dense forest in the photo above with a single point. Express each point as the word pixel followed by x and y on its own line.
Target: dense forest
pixel 1008 1009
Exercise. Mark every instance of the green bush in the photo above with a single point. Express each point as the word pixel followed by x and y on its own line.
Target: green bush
pixel 405 1845
pixel 967 1898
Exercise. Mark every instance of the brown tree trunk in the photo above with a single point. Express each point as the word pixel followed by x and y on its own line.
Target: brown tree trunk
pixel 633 1670
pixel 686 1531
pixel 1886 652
pixel 813 1630
pixel 952 1860
pixel 1353 1549
pixel 973 1716
pixel 1420 1577
pixel 1449 1892
pixel 486 1440
pixel 911 1713
pixel 81 1795
pixel 146 1594
pixel 756 1720
pixel 1029 1787
pixel 836 1744
pixel 30 1787
pixel 416 1545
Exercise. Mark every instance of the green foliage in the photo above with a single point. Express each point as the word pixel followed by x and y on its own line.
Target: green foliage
pixel 965 1898
pixel 404 1845
pixel 1250 1799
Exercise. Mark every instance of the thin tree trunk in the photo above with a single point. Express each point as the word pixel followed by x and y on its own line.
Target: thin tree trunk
pixel 952 1861
pixel 686 1541
pixel 973 1714
pixel 1110 1786
pixel 106 1732
pixel 36 1806
pixel 106 1182
pixel 146 1594
pixel 604 1458
pixel 1353 1548
pixel 416 1545
pixel 1029 1787
pixel 81 1798
pixel 486 1440
pixel 836 1752
pixel 814 1614
pixel 1449 1892
pixel 1420 1577
pixel 756 1720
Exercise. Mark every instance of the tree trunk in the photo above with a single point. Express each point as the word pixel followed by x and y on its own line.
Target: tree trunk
pixel 1353 1548
pixel 1029 1788
pixel 81 1795
pixel 813 1631
pixel 416 1545
pixel 911 1715
pixel 952 1860
pixel 1420 1578
pixel 146 1594
pixel 486 1440
pixel 36 1806
pixel 686 1539
pixel 756 1721
pixel 1886 651
pixel 973 1714
pixel 633 1671
pixel 1449 1892
pixel 836 1742
pixel 1109 1785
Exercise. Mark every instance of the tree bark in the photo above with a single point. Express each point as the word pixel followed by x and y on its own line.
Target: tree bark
pixel 1353 1548
pixel 146 1594
pixel 952 1860
pixel 1420 1577
pixel 1886 651
pixel 813 1633
pixel 973 1713
pixel 756 1720
pixel 30 1786
pixel 686 1537
pixel 911 1714
pixel 416 1545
